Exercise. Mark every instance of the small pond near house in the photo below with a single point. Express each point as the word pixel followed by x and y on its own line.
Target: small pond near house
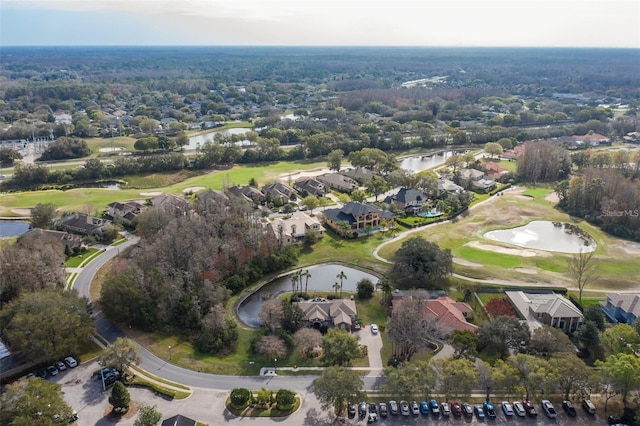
pixel 418 163
pixel 322 279
pixel 546 235
pixel 13 228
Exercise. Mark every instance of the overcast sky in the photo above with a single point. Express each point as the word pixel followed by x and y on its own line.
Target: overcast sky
pixel 562 23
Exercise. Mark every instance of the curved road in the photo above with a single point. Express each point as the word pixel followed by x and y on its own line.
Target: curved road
pixel 161 367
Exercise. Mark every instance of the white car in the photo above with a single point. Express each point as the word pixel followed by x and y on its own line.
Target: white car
pixel 519 409
pixel 507 408
pixel 374 328
pixel 71 362
pixel 547 406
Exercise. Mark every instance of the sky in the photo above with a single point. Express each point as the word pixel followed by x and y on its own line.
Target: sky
pixel 509 23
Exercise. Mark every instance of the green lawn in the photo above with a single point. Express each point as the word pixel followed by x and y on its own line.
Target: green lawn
pixel 76 261
pixel 537 192
pixel 487 257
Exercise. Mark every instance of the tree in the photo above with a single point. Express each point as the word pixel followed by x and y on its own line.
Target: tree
pixel 454 162
pixel 534 374
pixel 503 334
pixel 48 323
pixel 620 338
pixel 464 343
pixel 310 202
pixel 339 347
pixel 421 264
pixel 334 159
pixel 336 386
pixel 410 379
pixel 376 186
pixel 498 307
pixel 148 416
pixel 122 353
pixel 594 313
pixel 120 398
pixel 365 289
pixel 307 339
pixel 306 274
pixel 285 399
pixel 573 376
pixel 240 397
pixel 33 402
pixel 456 378
pixel 582 269
pixel 409 330
pixel 494 149
pixel 271 347
pixel 341 276
pixel 623 372
pixel 293 318
pixel 8 156
pixel 182 140
pixel 549 341
pixel 588 335
pixel 272 314
pixel 505 376
pixel 358 195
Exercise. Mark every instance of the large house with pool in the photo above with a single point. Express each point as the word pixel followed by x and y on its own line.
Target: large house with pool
pixel 355 219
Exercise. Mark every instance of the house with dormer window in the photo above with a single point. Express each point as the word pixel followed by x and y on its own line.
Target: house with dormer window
pixel 355 219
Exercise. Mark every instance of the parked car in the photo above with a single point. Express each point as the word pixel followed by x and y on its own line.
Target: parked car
pixel 588 406
pixel 373 407
pixel 60 366
pixel 507 408
pixel 393 408
pixel 71 362
pixel 351 409
pixel 529 408
pixel 444 409
pixel 415 410
pixel 479 411
pixel 456 409
pixel 467 409
pixel 383 409
pixel 404 408
pixel 73 418
pixel 489 410
pixel 362 410
pixel 569 408
pixel 52 370
pixel 614 420
pixel 433 406
pixel 547 406
pixel 42 373
pixel 424 407
pixel 30 375
pixel 519 409
pixel 374 328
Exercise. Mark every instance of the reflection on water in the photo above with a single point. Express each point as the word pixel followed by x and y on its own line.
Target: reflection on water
pixel 546 235
pixel 199 140
pixel 12 228
pixel 427 161
pixel 322 279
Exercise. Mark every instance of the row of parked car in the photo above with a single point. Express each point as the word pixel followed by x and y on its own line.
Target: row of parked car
pixel 55 368
pixel 525 408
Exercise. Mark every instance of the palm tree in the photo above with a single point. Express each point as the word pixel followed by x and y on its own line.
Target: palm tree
pixel 307 275
pixel 387 289
pixel 294 283
pixel 341 276
pixel 300 280
pixel 336 287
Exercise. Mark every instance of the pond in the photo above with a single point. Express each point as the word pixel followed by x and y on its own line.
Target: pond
pixel 322 279
pixel 12 228
pixel 546 235
pixel 419 163
pixel 199 140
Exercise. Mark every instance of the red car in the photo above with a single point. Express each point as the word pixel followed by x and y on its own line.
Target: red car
pixel 456 409
pixel 529 408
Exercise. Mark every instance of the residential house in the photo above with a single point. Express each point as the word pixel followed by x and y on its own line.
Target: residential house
pixel 494 170
pixel 170 202
pixel 125 212
pixel 448 186
pixel 359 174
pixel 338 182
pixel 48 237
pixel 295 228
pixel 410 200
pixel 278 190
pixel 83 224
pixel 551 309
pixel 592 139
pixel 340 313
pixel 310 186
pixel 354 219
pixel 249 193
pixel 448 314
pixel 475 180
pixel 178 420
pixel 622 308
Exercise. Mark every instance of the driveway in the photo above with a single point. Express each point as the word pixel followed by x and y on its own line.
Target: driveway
pixel 374 345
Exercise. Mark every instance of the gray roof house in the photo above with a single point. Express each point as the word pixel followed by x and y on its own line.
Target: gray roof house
pixel 408 199
pixel 294 229
pixel 249 193
pixel 125 211
pixel 355 219
pixel 278 189
pixel 475 180
pixel 449 186
pixel 359 174
pixel 546 308
pixel 339 313
pixel 84 224
pixel 338 182
pixel 622 308
pixel 310 186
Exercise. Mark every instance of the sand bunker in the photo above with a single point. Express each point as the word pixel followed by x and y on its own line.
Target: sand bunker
pixel 194 189
pixel 552 197
pixel 22 212
pixel 630 247
pixel 151 194
pixel 465 262
pixel 531 271
pixel 504 250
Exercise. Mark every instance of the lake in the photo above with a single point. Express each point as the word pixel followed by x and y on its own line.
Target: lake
pixel 546 235
pixel 12 228
pixel 322 279
pixel 200 139
pixel 422 162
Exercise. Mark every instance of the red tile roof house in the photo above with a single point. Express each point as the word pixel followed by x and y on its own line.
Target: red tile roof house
pixel 448 314
pixel 493 169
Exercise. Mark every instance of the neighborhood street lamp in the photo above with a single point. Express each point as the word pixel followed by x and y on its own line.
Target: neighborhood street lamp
pixel 276 365
pixel 169 352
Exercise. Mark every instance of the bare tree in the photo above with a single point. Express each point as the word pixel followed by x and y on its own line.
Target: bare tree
pixel 271 347
pixel 582 269
pixel 272 314
pixel 307 339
